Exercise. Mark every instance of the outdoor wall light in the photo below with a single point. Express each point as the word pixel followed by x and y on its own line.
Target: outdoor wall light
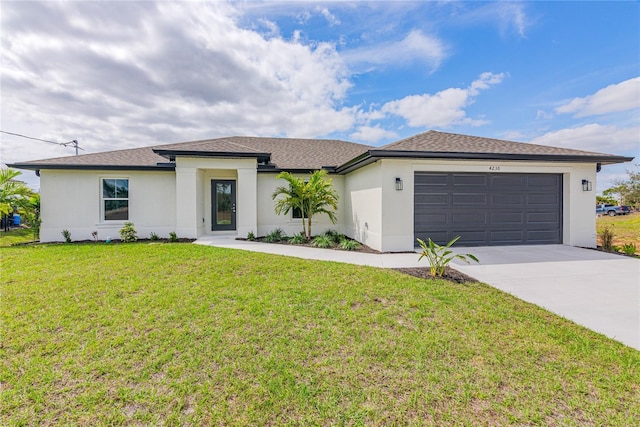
pixel 586 185
pixel 398 184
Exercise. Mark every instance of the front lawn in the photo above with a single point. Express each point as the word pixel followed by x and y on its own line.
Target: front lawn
pixel 626 228
pixel 16 235
pixel 180 334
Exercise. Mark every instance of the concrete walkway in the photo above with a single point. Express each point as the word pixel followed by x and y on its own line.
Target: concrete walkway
pixel 598 290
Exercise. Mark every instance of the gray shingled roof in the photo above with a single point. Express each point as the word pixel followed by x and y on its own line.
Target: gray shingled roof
pixel 286 153
pixel 310 154
pixel 443 142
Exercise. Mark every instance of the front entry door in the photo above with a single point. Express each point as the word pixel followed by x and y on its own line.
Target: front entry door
pixel 223 204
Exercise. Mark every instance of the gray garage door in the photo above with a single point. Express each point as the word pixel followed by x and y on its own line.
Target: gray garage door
pixel 488 209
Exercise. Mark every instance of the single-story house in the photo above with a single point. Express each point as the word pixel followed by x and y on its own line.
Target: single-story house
pixel 434 184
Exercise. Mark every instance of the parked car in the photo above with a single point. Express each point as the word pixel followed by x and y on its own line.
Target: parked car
pixel 625 210
pixel 611 210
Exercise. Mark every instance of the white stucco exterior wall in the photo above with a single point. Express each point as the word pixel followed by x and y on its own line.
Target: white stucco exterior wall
pixel 397 209
pixel 193 196
pixel 71 200
pixel 363 205
pixel 268 220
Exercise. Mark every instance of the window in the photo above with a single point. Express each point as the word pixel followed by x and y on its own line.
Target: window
pixel 115 199
pixel 296 213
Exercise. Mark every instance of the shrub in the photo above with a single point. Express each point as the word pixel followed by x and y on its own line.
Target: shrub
pixel 67 236
pixel 348 245
pixel 94 234
pixel 322 241
pixel 629 248
pixel 297 239
pixel 606 238
pixel 251 236
pixel 276 235
pixel 335 236
pixel 173 237
pixel 128 233
pixel 439 257
pixel 153 236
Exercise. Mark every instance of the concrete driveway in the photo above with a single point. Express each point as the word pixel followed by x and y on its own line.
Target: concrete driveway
pixel 598 290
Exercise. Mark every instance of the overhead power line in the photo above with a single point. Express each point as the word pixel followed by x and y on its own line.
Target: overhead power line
pixel 73 142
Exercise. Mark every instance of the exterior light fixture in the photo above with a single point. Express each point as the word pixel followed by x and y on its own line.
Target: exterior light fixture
pixel 399 184
pixel 586 185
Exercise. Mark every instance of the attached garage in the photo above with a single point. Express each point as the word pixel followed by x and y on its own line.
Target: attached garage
pixel 488 209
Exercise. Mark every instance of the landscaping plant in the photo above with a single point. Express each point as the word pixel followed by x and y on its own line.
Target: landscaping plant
pixel 153 237
pixel 315 196
pixel 67 236
pixel 629 248
pixel 251 236
pixel 348 245
pixel 439 257
pixel 128 233
pixel 275 236
pixel 323 241
pixel 94 234
pixel 606 238
pixel 297 239
pixel 173 237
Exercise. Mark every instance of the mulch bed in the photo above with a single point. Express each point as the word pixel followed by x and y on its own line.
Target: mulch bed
pixel 449 274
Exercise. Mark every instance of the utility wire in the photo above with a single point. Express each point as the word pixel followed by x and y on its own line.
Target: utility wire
pixel 73 142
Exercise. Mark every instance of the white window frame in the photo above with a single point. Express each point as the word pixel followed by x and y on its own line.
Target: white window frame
pixel 103 199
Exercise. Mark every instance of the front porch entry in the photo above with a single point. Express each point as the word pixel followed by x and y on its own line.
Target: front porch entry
pixel 223 204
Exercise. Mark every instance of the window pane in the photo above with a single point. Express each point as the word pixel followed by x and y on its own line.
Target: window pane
pixel 223 204
pixel 122 188
pixel 108 188
pixel 297 213
pixel 116 210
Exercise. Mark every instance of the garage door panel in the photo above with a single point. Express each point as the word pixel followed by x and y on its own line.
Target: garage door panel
pixel 467 218
pixel 432 199
pixel 489 209
pixel 466 199
pixel 507 218
pixel 507 199
pixel 432 179
pixel 469 180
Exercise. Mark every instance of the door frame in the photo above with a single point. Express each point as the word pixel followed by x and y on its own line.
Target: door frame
pixel 224 227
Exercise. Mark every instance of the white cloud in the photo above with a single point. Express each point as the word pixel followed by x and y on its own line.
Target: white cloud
pixel 118 75
pixel 594 137
pixel 442 109
pixel 623 96
pixel 415 47
pixel 331 18
pixel 372 134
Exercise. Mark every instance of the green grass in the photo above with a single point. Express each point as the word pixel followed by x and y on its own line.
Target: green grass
pixel 179 334
pixel 16 235
pixel 626 228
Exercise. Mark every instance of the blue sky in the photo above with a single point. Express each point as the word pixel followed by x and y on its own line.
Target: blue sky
pixel 127 74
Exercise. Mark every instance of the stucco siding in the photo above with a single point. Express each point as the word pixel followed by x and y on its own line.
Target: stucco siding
pixel 268 220
pixel 363 205
pixel 397 210
pixel 71 200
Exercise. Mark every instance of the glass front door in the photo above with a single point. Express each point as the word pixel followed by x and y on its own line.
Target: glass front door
pixel 223 204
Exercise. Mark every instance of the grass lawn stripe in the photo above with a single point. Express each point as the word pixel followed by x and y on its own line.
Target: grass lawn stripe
pixel 188 335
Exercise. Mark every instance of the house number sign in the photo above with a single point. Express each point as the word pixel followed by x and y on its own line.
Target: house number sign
pixel 494 168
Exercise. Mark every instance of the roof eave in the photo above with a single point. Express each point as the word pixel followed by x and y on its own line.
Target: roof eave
pixel 374 155
pixel 39 166
pixel 172 154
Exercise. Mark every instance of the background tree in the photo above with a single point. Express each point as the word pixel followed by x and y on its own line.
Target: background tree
pixel 315 196
pixel 14 194
pixel 627 190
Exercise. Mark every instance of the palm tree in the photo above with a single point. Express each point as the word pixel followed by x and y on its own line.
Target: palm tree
pixel 315 196
pixel 320 197
pixel 292 196
pixel 14 195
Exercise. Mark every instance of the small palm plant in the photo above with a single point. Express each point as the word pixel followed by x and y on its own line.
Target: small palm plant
pixel 439 257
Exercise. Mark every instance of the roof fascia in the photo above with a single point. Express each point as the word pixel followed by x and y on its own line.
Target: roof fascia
pixel 172 154
pixel 35 166
pixel 374 155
